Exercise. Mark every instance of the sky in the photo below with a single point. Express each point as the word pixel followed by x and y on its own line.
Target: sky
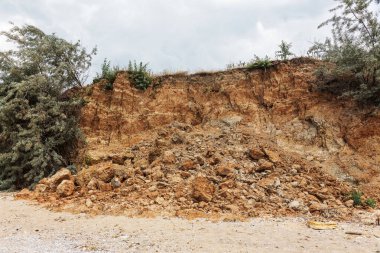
pixel 175 35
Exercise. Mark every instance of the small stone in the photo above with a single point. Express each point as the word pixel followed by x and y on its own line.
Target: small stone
pixel 295 205
pixel 41 188
pixel 160 142
pixel 118 159
pixel 93 184
pixel 188 165
pixel 232 120
pixel 159 200
pixel 129 155
pixel 315 206
pixel 225 170
pixel 294 184
pixel 273 156
pixel 104 186
pixel 152 188
pixel 349 203
pixel 277 183
pixel 89 203
pixel 142 163
pixel 296 166
pixel 124 192
pixel 185 174
pixel 264 165
pixel 115 182
pixel 200 160
pixel 168 157
pixel 177 139
pixel 256 153
pixel 293 172
pixel 65 188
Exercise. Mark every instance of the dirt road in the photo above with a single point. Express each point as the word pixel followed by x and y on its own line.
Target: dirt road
pixel 29 228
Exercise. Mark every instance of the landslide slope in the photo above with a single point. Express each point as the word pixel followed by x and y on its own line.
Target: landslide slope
pixel 231 144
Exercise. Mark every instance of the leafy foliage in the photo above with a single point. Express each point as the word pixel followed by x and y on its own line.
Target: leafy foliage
pixel 108 73
pixel 354 49
pixel 284 53
pixel 139 75
pixel 370 202
pixel 357 198
pixel 38 121
pixel 260 63
pixel 256 63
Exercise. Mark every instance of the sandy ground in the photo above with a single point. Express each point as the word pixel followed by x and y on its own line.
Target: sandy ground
pixel 30 228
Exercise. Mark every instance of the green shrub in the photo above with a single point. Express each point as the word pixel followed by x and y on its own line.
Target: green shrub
pixel 370 202
pixel 108 86
pixel 260 63
pixel 356 197
pixel 108 73
pixel 139 75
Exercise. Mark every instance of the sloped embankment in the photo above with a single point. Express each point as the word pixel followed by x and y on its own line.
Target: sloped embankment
pixel 231 144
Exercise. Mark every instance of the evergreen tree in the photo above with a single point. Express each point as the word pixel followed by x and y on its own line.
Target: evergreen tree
pixel 38 124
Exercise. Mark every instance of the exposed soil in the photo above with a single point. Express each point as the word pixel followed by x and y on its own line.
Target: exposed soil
pixel 224 146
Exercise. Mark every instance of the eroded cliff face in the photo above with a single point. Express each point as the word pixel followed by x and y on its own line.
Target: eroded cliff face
pixel 278 105
pixel 242 142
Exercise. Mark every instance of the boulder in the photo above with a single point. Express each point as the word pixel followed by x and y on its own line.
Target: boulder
pixel 102 172
pixel 264 165
pixel 202 189
pixel 256 153
pixel 349 203
pixel 225 170
pixel 188 165
pixel 93 184
pixel 118 159
pixel 65 188
pixel 57 178
pixel 295 205
pixel 168 157
pixel 41 188
pixel 273 156
pixel 115 182
pixel 316 206
pixel 104 186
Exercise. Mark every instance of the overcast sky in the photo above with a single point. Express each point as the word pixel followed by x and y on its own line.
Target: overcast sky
pixel 175 34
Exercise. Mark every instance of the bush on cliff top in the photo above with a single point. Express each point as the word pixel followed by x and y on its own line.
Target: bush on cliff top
pixel 354 49
pixel 107 73
pixel 38 123
pixel 139 75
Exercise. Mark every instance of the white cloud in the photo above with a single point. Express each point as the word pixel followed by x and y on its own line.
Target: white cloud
pixel 175 34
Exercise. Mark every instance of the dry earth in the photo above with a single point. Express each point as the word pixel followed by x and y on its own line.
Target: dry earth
pixel 30 228
pixel 227 145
